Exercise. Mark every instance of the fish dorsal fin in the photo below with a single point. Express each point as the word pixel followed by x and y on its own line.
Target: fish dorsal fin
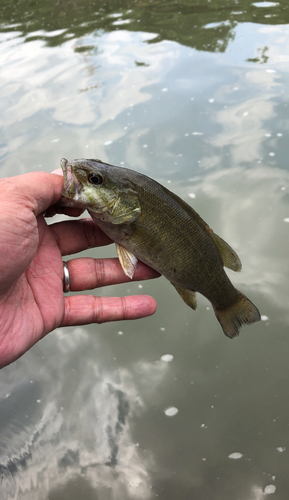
pixel 229 256
pixel 188 296
pixel 127 260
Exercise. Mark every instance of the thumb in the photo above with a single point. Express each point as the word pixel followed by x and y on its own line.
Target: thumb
pixel 37 190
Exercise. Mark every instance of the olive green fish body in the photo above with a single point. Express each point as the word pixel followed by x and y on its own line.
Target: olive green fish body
pixel 185 254
pixel 155 226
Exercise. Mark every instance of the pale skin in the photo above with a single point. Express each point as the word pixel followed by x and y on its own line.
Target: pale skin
pixel 32 302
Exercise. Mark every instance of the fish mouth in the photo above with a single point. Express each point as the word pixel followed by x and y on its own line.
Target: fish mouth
pixel 67 174
pixel 71 186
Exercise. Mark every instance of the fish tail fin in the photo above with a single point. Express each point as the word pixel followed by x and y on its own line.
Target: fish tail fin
pixel 242 312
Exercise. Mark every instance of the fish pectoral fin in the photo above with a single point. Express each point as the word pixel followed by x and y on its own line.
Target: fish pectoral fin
pixel 127 212
pixel 188 296
pixel 127 260
pixel 229 257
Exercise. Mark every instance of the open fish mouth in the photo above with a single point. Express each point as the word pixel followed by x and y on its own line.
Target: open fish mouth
pixel 67 174
pixel 71 185
pixel 71 192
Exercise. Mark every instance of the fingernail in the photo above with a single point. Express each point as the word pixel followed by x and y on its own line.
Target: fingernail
pixel 58 171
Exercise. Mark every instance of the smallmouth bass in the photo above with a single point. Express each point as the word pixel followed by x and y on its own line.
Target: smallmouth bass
pixel 149 223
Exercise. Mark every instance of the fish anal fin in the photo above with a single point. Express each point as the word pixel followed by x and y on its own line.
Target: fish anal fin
pixel 229 257
pixel 242 312
pixel 127 260
pixel 188 296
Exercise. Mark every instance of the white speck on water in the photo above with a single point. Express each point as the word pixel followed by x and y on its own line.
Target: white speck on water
pixel 169 181
pixel 186 135
pixel 236 88
pixel 38 400
pixel 107 143
pixel 279 134
pixel 246 113
pixel 55 140
pixel 211 100
pixel 192 195
pixel 167 358
pixel 7 395
pixel 265 4
pixel 286 219
pixel 171 412
pixel 273 478
pixel 140 286
pixel 264 318
pixel 270 489
pixel 145 145
pixel 87 145
pixel 270 71
pixel 268 135
pixel 236 455
pixel 122 162
pixel 120 333
pixel 271 153
pixel 197 133
pixel 281 449
pixel 165 89
pixel 192 98
pixel 204 459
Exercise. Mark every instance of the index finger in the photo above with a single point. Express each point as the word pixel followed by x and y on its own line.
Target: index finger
pixel 75 236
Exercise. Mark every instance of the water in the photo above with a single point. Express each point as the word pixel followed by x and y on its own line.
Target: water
pixel 194 95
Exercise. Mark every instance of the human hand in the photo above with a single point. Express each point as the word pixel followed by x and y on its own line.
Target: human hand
pixel 32 302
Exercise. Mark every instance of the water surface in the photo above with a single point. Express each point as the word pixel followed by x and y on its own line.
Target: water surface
pixel 195 95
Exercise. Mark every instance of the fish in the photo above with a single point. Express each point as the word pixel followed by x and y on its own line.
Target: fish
pixel 151 224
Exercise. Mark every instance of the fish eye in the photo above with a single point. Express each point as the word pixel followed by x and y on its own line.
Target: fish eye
pixel 95 179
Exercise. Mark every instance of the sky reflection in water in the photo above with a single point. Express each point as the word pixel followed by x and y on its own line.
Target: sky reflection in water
pixel 84 412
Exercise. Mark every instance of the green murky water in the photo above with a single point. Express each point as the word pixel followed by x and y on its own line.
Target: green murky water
pixel 194 94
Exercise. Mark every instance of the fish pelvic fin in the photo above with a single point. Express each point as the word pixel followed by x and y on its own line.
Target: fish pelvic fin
pixel 188 296
pixel 242 312
pixel 127 260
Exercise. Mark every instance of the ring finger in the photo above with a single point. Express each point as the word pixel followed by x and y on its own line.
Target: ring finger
pixel 87 273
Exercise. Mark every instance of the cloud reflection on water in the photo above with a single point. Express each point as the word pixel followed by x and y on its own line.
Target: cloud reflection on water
pixel 79 426
pixel 71 416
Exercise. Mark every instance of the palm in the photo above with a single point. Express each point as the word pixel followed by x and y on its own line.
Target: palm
pixel 36 299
